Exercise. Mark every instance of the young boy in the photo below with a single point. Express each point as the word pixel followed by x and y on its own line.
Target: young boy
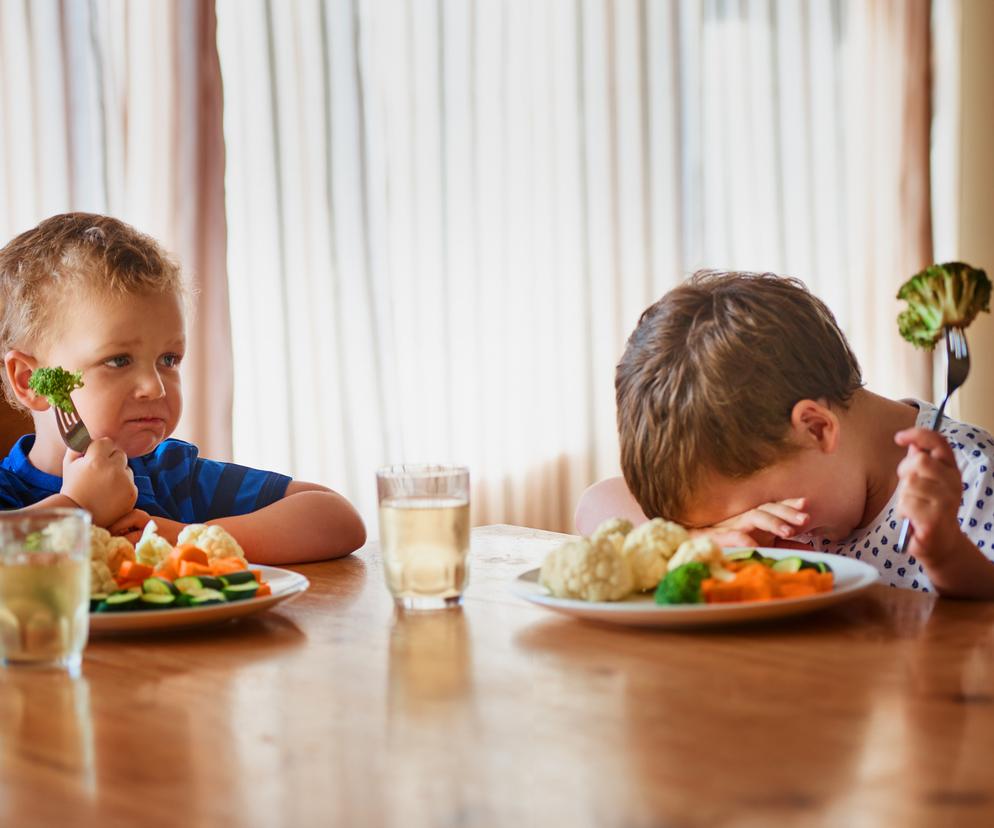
pixel 742 414
pixel 89 293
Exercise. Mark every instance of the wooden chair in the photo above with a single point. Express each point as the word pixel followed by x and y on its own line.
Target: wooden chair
pixel 13 423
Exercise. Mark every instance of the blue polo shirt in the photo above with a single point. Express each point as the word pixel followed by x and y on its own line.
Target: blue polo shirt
pixel 172 481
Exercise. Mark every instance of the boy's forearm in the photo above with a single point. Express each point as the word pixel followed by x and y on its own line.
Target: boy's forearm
pixel 303 526
pixel 964 573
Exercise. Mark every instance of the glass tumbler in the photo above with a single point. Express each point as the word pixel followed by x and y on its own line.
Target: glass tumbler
pixel 44 587
pixel 424 533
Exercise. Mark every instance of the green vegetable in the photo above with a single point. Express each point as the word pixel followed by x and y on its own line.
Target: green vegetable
pixel 191 583
pixel 160 586
pixel 791 564
pixel 236 592
pixel 157 600
pixel 55 384
pixel 120 601
pixel 683 584
pixel 942 296
pixel 242 576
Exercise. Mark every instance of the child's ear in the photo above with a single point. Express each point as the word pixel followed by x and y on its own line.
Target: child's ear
pixel 815 425
pixel 19 367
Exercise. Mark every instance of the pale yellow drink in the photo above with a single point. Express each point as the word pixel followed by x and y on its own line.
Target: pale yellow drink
pixel 44 608
pixel 425 546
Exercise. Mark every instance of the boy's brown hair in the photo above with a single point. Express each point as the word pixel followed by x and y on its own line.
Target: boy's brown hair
pixel 43 268
pixel 710 376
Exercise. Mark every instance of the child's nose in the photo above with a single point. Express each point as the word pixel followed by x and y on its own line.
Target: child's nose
pixel 150 386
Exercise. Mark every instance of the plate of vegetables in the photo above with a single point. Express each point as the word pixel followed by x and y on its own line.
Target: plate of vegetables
pixel 658 576
pixel 203 580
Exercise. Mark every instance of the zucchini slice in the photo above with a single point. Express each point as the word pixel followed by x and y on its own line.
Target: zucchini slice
pixel 791 564
pixel 159 586
pixel 157 600
pixel 121 602
pixel 96 600
pixel 242 576
pixel 238 592
pixel 204 597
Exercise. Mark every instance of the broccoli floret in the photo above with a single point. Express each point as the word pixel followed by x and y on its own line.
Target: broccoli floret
pixel 55 384
pixel 941 296
pixel 683 584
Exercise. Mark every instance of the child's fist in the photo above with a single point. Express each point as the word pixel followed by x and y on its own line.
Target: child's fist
pixel 100 481
pixel 928 493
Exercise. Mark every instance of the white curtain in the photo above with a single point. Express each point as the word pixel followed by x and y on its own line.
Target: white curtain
pixel 445 218
pixel 114 107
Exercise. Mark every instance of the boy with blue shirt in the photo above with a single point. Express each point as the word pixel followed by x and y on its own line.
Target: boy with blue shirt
pixel 89 293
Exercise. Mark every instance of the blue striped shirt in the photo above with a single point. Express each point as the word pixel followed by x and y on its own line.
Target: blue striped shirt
pixel 172 481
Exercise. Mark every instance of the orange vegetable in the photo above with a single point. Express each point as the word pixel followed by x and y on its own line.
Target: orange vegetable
pixel 188 552
pixel 134 571
pixel 222 566
pixel 167 569
pixel 264 589
pixel 756 582
pixel 258 575
pixel 192 568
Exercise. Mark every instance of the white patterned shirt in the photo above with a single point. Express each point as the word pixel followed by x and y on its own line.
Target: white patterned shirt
pixel 876 543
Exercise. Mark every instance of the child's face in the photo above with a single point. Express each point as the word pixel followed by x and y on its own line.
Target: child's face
pixel 129 350
pixel 832 485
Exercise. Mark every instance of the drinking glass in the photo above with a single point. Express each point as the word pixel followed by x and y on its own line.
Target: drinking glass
pixel 44 587
pixel 424 533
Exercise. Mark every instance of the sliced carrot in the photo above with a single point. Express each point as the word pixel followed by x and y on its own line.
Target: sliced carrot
pixel 134 571
pixel 192 568
pixel 258 575
pixel 167 569
pixel 264 589
pixel 222 566
pixel 188 552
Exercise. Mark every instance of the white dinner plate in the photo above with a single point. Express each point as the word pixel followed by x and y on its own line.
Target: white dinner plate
pixel 284 584
pixel 851 578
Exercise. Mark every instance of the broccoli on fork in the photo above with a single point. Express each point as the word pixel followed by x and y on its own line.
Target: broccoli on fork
pixel 942 296
pixel 55 385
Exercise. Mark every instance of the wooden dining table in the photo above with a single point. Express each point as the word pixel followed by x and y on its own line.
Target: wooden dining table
pixel 336 710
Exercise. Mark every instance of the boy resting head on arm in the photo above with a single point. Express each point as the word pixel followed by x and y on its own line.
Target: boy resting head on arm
pixel 742 414
pixel 89 293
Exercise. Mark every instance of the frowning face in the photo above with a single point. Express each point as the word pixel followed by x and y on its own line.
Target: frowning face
pixel 129 348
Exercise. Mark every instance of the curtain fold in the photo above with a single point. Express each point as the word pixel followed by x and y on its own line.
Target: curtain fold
pixel 115 107
pixel 446 218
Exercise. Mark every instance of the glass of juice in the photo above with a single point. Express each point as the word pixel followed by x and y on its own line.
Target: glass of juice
pixel 44 587
pixel 424 533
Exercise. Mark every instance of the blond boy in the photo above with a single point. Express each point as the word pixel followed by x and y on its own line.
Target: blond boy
pixel 742 413
pixel 89 293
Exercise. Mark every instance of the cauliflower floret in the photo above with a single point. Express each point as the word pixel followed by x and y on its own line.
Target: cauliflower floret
pixel 101 579
pixel 213 539
pixel 587 569
pixel 109 549
pixel 152 549
pixel 614 530
pixel 647 549
pixel 706 551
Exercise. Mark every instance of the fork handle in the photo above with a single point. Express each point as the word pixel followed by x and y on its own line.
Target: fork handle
pixel 906 531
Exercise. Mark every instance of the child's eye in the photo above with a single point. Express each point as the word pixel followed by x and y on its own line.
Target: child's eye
pixel 172 360
pixel 119 361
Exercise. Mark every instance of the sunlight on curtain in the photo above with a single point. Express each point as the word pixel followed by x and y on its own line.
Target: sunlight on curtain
pixel 445 220
pixel 114 107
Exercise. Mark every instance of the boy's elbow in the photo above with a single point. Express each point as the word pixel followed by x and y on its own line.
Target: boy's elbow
pixel 606 499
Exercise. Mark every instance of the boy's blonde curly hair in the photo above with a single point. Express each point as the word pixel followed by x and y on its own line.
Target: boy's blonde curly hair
pixel 710 376
pixel 44 268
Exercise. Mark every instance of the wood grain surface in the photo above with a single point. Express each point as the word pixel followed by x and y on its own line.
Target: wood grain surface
pixel 333 710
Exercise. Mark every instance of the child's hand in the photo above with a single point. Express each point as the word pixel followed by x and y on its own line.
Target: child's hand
pixel 100 481
pixel 131 525
pixel 760 526
pixel 928 494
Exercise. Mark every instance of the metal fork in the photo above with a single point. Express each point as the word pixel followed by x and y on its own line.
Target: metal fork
pixel 74 433
pixel 957 368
